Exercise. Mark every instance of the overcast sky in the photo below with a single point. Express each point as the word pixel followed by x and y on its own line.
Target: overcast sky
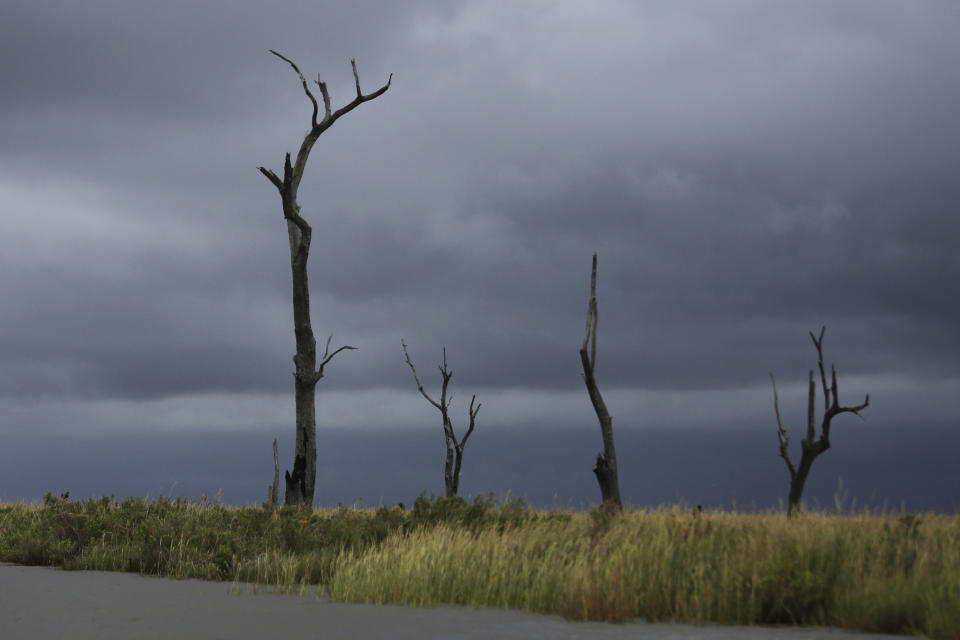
pixel 747 172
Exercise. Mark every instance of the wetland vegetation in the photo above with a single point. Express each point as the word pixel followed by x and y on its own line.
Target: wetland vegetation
pixel 881 572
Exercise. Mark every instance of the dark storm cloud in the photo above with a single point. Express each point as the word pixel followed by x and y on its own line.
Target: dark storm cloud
pixel 178 60
pixel 747 174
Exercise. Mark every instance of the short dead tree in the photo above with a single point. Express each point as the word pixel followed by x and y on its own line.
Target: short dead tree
pixel 273 490
pixel 454 459
pixel 811 446
pixel 606 466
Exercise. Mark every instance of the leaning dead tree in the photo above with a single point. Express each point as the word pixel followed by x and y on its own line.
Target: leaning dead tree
pixel 451 469
pixel 301 483
pixel 812 446
pixel 606 466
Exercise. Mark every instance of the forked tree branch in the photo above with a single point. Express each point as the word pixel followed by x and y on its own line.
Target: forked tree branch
pixel 292 174
pixel 831 394
pixel 327 356
pixel 361 98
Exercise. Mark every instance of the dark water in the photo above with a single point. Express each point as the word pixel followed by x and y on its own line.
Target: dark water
pixel 42 603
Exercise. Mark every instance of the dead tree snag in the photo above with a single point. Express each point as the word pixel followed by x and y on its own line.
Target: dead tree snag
pixel 273 491
pixel 811 446
pixel 454 459
pixel 301 483
pixel 606 465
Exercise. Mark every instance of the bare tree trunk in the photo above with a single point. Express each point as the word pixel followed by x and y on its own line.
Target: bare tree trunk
pixel 273 494
pixel 811 446
pixel 301 483
pixel 454 458
pixel 606 466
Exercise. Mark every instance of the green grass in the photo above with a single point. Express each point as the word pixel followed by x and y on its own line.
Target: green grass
pixel 874 572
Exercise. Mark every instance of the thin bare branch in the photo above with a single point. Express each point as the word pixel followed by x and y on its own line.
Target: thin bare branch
pixel 818 343
pixel 345 347
pixel 303 81
pixel 781 432
pixel 356 77
pixel 272 177
pixel 833 387
pixel 595 308
pixel 326 97
pixel 590 335
pixel 593 336
pixel 473 420
pixel 857 409
pixel 416 378
pixel 444 400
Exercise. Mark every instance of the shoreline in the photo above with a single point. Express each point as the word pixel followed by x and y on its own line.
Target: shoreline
pixel 46 602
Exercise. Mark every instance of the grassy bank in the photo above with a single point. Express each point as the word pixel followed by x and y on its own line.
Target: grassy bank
pixel 885 573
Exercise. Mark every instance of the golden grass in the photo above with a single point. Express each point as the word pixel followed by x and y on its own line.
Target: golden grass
pixel 876 573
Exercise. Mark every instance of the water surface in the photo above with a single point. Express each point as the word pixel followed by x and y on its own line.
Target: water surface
pixel 39 602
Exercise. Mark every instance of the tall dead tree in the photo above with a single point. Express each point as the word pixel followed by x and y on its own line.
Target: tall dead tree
pixel 454 459
pixel 811 446
pixel 301 483
pixel 606 466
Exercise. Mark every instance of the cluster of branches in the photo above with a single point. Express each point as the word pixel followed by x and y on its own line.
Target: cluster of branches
pixel 812 446
pixel 454 459
pixel 301 482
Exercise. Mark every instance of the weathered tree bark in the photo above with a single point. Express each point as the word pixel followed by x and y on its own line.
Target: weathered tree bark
pixel 300 484
pixel 273 491
pixel 606 465
pixel 811 446
pixel 454 459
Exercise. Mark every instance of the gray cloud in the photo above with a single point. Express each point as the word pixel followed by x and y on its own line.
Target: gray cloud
pixel 746 175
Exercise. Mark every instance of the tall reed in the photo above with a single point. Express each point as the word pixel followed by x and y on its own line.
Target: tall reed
pixel 886 574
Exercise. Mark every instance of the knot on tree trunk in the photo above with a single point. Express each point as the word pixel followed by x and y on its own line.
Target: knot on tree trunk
pixel 607 479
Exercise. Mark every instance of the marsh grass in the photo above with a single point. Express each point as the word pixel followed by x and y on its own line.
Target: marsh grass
pixel 878 573
pixel 887 573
